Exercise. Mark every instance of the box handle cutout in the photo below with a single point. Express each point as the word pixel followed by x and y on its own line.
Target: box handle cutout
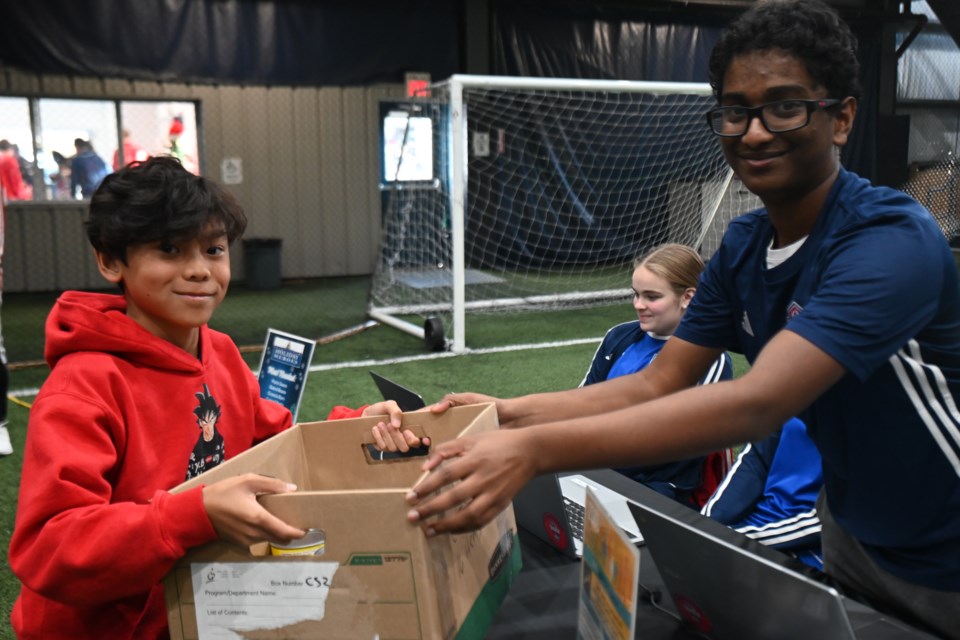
pixel 375 456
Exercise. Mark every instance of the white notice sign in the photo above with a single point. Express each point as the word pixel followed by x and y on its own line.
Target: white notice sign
pixel 231 171
pixel 234 597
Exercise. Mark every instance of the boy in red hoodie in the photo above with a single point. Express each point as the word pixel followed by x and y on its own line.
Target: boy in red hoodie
pixel 142 395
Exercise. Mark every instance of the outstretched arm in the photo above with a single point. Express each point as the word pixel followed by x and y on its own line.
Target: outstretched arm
pixel 489 469
pixel 680 365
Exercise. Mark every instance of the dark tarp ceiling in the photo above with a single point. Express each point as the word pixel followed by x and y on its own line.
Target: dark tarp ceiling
pixel 335 42
pixel 533 38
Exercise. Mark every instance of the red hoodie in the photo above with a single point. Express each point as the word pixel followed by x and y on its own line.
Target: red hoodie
pixel 115 425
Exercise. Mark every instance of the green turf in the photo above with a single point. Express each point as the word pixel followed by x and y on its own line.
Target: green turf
pixel 248 314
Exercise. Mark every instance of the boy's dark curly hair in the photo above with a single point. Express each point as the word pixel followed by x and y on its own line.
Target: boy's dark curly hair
pixel 808 29
pixel 155 200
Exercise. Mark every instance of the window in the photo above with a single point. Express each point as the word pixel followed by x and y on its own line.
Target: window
pixel 68 145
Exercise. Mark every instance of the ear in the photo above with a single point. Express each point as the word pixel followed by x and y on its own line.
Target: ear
pixel 843 120
pixel 110 268
pixel 687 297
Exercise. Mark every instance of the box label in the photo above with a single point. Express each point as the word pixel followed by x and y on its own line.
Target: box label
pixel 243 596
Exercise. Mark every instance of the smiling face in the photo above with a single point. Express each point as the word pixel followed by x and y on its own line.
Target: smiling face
pixel 173 287
pixel 659 308
pixel 783 167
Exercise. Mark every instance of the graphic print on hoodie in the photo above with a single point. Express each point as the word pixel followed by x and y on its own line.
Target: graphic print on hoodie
pixel 209 450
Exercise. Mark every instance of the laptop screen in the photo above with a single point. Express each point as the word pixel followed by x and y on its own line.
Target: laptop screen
pixel 406 399
pixel 725 585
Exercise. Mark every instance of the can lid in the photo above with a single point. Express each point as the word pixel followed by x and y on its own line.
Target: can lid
pixel 313 536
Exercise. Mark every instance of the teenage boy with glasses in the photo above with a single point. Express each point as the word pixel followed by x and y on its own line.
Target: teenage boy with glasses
pixel 842 295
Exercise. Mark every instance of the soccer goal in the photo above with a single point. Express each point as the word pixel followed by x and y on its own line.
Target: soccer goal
pixel 544 192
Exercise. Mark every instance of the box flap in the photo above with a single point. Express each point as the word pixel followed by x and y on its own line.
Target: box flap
pixel 348 464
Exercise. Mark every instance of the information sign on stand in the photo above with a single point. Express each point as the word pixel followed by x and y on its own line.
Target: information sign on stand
pixel 609 576
pixel 284 365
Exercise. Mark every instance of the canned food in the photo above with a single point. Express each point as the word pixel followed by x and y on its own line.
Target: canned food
pixel 311 544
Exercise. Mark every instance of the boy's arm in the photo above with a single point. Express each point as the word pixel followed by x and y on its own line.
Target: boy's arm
pixel 491 467
pixel 77 540
pixel 660 378
pixel 72 529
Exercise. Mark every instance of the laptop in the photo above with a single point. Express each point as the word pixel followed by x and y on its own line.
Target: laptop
pixel 727 586
pixel 551 507
pixel 406 399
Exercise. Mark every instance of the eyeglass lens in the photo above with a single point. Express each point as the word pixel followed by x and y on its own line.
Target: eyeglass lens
pixel 777 117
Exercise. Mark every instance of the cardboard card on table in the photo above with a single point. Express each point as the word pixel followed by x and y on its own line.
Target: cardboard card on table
pixel 284 364
pixel 609 576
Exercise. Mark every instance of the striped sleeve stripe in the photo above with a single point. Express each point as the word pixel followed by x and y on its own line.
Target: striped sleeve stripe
pixel 806 519
pixel 934 404
pixel 786 530
pixel 787 537
pixel 715 371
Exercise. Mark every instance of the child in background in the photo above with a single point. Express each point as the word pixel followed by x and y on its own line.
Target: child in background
pixel 141 395
pixel 664 282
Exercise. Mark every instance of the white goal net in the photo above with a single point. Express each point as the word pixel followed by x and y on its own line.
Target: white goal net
pixel 544 191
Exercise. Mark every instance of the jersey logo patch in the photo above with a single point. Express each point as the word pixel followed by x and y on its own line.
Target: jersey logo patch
pixel 793 310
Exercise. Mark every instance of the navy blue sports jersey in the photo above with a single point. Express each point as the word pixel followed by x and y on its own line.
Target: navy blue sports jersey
pixel 874 286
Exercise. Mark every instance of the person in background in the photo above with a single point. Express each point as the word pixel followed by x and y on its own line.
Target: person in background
pixel 26 167
pixel 6 447
pixel 11 178
pixel 771 494
pixel 664 282
pixel 174 139
pixel 132 152
pixel 843 296
pixel 60 181
pixel 141 395
pixel 87 170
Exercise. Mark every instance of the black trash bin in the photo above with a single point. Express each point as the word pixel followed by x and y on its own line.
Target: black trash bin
pixel 261 262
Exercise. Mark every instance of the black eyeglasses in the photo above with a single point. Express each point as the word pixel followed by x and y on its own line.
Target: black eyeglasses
pixel 778 117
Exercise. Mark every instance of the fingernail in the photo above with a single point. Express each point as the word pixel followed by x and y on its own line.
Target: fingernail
pixel 412 495
pixel 429 532
pixel 413 515
pixel 291 487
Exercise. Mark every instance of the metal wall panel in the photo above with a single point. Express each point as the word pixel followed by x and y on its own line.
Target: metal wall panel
pixel 306 180
pixel 333 209
pixel 357 174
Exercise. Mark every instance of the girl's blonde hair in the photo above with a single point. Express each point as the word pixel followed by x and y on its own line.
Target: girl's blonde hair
pixel 676 263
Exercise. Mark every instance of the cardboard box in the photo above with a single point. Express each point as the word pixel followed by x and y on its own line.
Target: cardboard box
pixel 378 577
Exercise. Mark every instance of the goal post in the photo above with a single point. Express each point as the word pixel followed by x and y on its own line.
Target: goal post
pixel 545 191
